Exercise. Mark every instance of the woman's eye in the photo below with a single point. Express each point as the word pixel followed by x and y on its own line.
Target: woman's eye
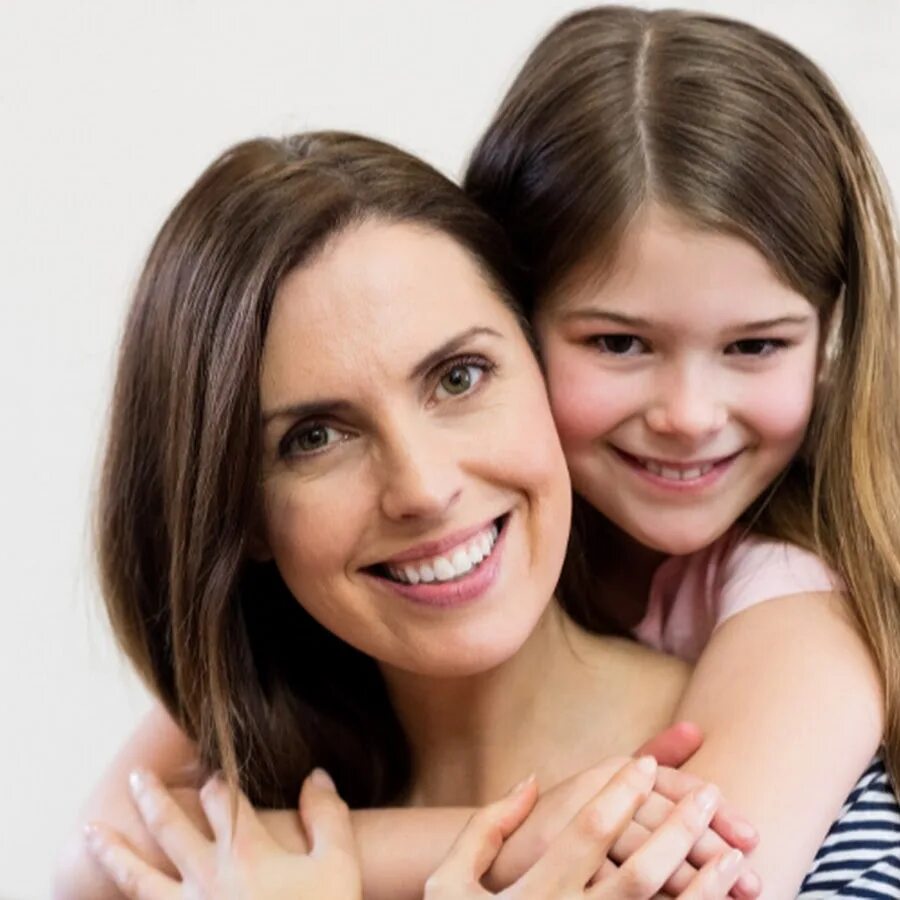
pixel 459 379
pixel 310 439
pixel 619 344
pixel 755 347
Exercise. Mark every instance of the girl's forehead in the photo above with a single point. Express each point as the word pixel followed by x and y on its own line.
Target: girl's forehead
pixel 665 267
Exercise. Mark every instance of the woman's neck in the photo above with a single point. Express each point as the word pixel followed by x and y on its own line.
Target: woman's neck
pixel 562 703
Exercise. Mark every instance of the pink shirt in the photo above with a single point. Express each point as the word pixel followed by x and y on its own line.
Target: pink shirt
pixel 690 596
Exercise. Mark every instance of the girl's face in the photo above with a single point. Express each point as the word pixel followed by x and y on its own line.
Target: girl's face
pixel 415 495
pixel 681 383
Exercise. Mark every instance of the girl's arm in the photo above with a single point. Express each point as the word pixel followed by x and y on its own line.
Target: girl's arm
pixel 790 704
pixel 399 847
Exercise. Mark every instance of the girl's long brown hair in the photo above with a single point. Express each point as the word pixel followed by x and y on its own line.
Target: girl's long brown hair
pixel 735 131
pixel 263 689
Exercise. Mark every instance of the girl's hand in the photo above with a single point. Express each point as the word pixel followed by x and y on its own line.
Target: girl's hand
pixel 575 864
pixel 556 808
pixel 242 862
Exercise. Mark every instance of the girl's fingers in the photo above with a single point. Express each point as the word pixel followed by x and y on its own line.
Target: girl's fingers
pixel 578 852
pixel 674 746
pixel 648 870
pixel 478 844
pixel 716 878
pixel 710 845
pixel 733 828
pixel 131 875
pixel 325 816
pixel 190 852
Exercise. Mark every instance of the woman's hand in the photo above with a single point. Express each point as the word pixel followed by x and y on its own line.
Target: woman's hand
pixel 576 864
pixel 242 862
pixel 556 808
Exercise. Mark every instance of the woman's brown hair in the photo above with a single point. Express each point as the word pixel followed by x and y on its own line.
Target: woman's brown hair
pixel 264 690
pixel 734 131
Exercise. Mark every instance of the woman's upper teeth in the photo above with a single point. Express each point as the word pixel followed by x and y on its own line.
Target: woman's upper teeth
pixel 680 474
pixel 450 565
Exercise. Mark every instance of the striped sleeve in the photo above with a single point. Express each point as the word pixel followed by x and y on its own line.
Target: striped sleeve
pixel 860 856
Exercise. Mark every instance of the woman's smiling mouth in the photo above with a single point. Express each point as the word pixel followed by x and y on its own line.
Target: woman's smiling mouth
pixel 448 572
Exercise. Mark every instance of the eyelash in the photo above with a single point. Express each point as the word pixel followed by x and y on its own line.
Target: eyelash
pixel 285 444
pixel 461 362
pixel 772 345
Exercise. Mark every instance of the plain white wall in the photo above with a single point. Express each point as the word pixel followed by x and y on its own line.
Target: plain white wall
pixel 108 111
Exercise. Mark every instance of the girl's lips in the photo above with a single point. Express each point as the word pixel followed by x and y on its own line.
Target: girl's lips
pixel 458 592
pixel 701 475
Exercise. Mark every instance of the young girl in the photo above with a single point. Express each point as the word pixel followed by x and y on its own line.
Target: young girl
pixel 713 267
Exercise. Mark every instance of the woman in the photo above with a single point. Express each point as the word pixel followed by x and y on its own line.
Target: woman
pixel 335 508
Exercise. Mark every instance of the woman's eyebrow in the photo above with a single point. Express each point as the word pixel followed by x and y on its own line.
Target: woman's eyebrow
pixel 305 410
pixel 449 347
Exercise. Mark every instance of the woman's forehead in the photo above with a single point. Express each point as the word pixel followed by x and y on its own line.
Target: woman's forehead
pixel 375 300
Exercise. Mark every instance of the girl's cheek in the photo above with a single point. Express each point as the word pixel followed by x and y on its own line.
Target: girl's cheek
pixel 586 404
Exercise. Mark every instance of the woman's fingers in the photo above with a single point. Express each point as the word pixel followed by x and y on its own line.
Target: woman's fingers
pixel 240 835
pixel 478 844
pixel 189 851
pixel 649 869
pixel 131 875
pixel 325 816
pixel 579 851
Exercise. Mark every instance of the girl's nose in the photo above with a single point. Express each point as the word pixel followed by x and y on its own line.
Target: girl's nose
pixel 687 406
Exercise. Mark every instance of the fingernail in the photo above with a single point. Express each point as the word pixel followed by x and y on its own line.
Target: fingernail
pixel 137 780
pixel 730 861
pixel 706 799
pixel 93 836
pixel 745 831
pixel 749 882
pixel 647 765
pixel 521 786
pixel 320 778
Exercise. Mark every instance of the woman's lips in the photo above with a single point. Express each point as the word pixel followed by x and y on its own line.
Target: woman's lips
pixel 460 589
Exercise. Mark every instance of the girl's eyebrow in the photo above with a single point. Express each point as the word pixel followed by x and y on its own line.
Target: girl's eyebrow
pixel 638 322
pixel 336 407
pixel 609 316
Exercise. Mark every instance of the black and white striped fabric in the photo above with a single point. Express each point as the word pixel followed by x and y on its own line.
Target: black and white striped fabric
pixel 861 854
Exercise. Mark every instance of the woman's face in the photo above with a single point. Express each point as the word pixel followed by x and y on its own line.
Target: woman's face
pixel 415 496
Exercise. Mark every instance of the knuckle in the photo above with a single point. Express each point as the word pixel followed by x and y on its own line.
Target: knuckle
pixel 635 883
pixel 598 823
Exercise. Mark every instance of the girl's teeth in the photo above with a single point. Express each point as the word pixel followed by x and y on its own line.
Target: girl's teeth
pixel 676 474
pixel 462 561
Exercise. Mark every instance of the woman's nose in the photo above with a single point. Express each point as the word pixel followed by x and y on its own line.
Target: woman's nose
pixel 687 405
pixel 421 479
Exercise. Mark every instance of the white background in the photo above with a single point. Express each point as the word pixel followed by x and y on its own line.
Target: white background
pixel 108 112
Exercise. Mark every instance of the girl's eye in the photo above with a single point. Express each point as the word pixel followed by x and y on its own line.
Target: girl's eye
pixel 755 347
pixel 619 344
pixel 310 439
pixel 460 377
